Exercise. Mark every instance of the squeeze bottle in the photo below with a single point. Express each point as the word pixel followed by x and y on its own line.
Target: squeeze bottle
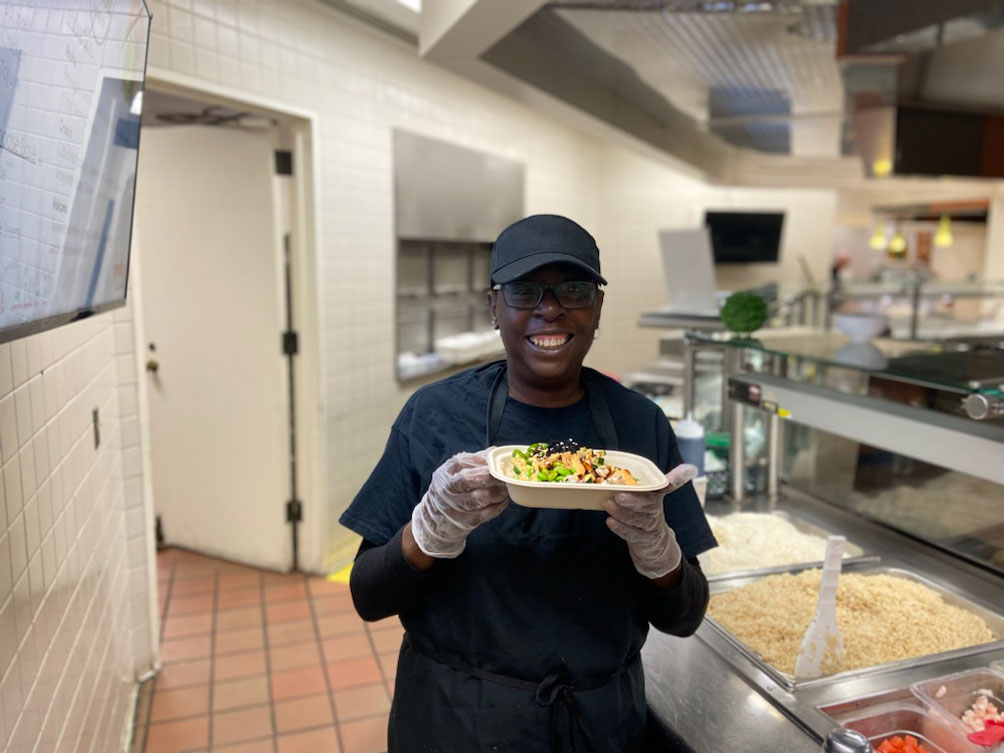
pixel 690 439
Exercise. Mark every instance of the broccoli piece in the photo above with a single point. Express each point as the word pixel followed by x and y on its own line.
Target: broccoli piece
pixel 744 312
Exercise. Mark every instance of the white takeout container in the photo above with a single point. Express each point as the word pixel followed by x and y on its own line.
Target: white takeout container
pixel 564 496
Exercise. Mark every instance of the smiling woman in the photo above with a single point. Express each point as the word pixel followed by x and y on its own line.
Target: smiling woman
pixel 549 307
pixel 524 624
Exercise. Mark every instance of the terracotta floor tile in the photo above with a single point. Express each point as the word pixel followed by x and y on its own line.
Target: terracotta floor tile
pixel 239 597
pixel 179 649
pixel 294 656
pixel 183 673
pixel 247 691
pixel 297 682
pixel 187 571
pixel 271 577
pixel 365 735
pixel 348 674
pixel 198 604
pixel 232 580
pixel 366 700
pixel 285 591
pixel 347 647
pixel 230 619
pixel 243 639
pixel 180 627
pixel 387 640
pixel 232 666
pixel 203 584
pixel 319 586
pixel 258 746
pixel 314 741
pixel 296 631
pixel 244 724
pixel 340 624
pixel 335 604
pixel 388 662
pixel 284 611
pixel 175 737
pixel 303 713
pixel 183 702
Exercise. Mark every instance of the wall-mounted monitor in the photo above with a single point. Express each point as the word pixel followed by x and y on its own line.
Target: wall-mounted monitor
pixel 71 82
pixel 744 237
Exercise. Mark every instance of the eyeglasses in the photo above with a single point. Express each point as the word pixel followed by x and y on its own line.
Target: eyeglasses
pixel 527 295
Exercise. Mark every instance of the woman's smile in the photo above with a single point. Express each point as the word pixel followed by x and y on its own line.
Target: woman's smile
pixel 550 343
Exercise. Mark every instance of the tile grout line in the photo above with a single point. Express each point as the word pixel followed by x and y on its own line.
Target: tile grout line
pixel 268 661
pixel 324 664
pixel 212 654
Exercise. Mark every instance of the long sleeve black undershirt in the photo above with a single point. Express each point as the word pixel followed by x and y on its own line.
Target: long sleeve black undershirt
pixel 384 583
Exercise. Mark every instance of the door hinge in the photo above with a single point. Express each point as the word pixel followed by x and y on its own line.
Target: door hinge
pixel 290 343
pixel 294 511
pixel 283 162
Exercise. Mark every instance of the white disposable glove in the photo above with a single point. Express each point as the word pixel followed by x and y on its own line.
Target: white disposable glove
pixel 461 496
pixel 639 519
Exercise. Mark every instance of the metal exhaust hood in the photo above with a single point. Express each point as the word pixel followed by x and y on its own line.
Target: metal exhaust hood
pixel 922 83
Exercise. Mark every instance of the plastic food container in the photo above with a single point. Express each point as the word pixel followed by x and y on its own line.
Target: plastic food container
pixel 573 496
pixel 998 667
pixel 903 718
pixel 960 694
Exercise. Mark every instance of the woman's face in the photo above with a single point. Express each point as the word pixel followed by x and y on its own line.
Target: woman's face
pixel 545 346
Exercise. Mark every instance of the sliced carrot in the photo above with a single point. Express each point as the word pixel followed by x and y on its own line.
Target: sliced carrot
pixel 910 740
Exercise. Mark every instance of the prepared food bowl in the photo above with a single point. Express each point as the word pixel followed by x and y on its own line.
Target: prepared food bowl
pixel 573 496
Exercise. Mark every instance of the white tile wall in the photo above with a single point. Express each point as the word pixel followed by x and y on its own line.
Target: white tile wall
pixel 363 85
pixel 67 661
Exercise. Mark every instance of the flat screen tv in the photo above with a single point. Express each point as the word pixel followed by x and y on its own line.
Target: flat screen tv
pixel 744 237
pixel 69 138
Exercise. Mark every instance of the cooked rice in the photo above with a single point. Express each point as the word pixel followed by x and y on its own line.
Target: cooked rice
pixel 883 618
pixel 750 540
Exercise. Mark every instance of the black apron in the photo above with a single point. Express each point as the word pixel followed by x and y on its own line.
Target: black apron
pixel 569 728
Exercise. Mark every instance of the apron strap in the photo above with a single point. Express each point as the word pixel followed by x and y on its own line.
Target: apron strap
pixel 554 691
pixel 598 407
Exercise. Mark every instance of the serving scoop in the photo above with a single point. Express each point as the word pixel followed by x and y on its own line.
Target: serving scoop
pixel 823 646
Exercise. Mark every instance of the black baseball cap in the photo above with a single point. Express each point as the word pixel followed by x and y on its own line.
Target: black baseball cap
pixel 542 239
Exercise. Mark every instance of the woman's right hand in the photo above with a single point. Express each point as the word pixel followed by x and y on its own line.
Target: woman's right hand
pixel 461 496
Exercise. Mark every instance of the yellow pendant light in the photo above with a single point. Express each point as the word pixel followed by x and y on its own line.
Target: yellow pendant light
pixel 943 236
pixel 897 245
pixel 878 240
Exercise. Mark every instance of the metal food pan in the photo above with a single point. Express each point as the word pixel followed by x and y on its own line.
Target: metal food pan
pixel 994 620
pixel 854 553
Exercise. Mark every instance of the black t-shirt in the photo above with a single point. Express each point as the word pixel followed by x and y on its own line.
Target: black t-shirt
pixel 536 591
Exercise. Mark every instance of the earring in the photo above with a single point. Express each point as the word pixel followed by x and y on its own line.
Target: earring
pixel 495 324
pixel 596 333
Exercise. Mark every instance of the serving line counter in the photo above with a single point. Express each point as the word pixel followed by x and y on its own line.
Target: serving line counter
pixel 720 699
pixel 939 522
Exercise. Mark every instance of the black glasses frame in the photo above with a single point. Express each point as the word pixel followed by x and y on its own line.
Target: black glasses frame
pixel 557 290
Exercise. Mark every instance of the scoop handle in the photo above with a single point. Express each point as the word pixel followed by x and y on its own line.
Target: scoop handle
pixel 832 561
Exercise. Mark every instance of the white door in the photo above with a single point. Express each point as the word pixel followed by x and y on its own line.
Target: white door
pixel 212 302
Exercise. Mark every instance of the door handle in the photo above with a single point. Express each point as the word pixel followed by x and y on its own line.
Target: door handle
pixel 152 365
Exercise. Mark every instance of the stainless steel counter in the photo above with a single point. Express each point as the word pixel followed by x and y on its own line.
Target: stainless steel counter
pixel 719 701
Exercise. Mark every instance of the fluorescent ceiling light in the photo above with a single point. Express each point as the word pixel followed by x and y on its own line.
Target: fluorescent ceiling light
pixel 415 5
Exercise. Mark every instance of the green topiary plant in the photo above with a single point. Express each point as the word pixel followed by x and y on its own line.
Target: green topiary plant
pixel 744 313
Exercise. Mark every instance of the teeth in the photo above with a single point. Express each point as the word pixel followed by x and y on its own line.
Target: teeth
pixel 552 342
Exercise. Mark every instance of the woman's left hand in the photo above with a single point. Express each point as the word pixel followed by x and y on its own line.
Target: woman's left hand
pixel 639 519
